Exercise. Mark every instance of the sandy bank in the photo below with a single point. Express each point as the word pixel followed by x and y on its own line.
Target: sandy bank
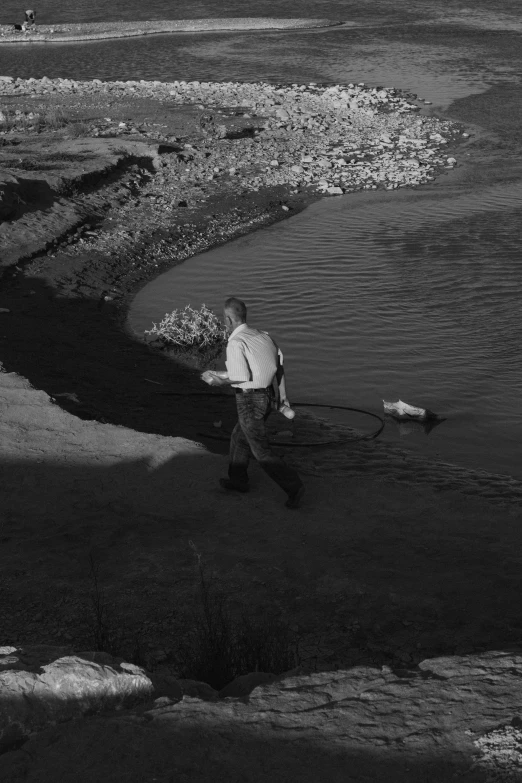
pixel 93 31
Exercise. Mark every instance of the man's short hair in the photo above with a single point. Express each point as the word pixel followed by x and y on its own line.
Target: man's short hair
pixel 237 307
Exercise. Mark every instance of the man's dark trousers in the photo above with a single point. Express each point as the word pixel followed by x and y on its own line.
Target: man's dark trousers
pixel 249 438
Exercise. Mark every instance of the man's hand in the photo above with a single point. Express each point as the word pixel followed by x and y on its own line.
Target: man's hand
pixel 217 378
pixel 211 378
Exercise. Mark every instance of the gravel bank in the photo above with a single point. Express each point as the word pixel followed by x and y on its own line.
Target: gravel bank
pixel 93 31
pixel 328 140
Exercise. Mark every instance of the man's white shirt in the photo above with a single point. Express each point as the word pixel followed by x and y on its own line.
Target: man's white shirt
pixel 251 358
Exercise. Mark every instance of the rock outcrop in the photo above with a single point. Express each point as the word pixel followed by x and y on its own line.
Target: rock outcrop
pixel 41 206
pixel 362 724
pixel 42 686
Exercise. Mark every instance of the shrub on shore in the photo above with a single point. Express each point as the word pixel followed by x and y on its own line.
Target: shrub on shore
pixel 189 329
pixel 216 642
pixel 220 644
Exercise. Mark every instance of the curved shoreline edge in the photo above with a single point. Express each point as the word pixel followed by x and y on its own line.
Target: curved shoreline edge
pixel 94 31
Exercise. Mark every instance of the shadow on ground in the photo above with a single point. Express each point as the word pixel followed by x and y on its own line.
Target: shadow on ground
pixel 360 575
pixel 368 570
pixel 112 750
pixel 78 345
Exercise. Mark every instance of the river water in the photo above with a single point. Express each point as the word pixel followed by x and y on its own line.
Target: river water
pixel 412 294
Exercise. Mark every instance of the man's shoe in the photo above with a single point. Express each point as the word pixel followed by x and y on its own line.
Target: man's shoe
pixel 294 499
pixel 231 486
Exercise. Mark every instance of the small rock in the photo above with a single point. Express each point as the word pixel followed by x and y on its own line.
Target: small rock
pixel 198 690
pixel 163 701
pixel 244 685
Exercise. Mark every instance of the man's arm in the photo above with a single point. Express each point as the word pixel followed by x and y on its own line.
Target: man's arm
pixel 237 370
pixel 217 378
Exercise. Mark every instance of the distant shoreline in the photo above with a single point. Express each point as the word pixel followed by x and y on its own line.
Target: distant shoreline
pixel 93 31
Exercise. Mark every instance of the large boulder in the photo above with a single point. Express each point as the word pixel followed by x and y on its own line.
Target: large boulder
pixel 42 686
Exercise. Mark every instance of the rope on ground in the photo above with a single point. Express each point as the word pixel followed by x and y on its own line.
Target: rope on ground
pixel 305 444
pixel 347 408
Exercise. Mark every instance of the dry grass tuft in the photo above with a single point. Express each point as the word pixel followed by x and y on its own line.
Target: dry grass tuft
pixel 189 328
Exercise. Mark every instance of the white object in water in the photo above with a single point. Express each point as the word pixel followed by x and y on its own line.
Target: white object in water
pixel 401 410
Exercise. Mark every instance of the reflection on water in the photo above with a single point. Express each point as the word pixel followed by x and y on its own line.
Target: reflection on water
pixel 406 428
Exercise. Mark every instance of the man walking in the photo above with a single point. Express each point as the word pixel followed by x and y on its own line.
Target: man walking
pixel 252 365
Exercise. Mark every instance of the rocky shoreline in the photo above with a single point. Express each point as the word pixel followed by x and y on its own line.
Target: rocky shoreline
pixel 372 722
pixel 95 31
pixel 308 139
